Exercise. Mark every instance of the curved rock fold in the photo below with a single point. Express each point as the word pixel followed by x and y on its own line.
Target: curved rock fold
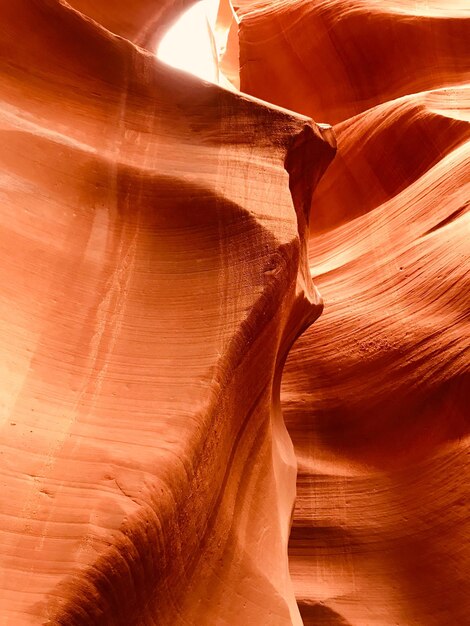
pixel 159 235
pixel 154 276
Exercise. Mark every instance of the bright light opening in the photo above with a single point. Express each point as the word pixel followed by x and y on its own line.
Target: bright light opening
pixel 190 45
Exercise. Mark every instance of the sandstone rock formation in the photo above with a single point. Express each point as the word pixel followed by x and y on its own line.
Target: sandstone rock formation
pixel 375 394
pixel 155 275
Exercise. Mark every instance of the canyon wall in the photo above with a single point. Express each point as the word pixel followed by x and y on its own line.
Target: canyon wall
pixel 159 236
pixel 376 393
pixel 154 276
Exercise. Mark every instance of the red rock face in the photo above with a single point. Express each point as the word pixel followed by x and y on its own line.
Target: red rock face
pixel 154 275
pixel 156 262
pixel 375 394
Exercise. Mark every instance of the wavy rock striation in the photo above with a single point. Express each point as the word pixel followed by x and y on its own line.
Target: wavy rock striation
pixel 375 394
pixel 153 277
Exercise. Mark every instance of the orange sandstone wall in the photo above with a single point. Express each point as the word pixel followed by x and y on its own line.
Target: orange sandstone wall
pixel 375 394
pixel 153 277
pixel 158 241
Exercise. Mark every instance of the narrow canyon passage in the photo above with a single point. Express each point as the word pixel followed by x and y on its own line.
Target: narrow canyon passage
pixel 163 236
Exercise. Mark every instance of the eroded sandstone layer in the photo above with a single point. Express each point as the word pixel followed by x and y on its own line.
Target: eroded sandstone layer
pixel 154 275
pixel 153 278
pixel 376 393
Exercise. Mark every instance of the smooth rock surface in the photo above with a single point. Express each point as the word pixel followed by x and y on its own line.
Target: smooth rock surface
pixel 375 394
pixel 153 278
pixel 156 264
